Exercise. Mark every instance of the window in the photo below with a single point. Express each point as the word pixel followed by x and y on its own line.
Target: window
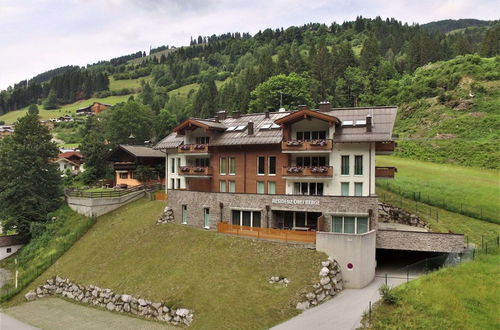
pixel 232 186
pixel 184 214
pixel 202 162
pixel 311 135
pixel 350 225
pixel 245 218
pixel 131 174
pixel 260 187
pixel 202 140
pixel 358 165
pixel 311 161
pixel 358 189
pixel 172 183
pixel 172 165
pixel 232 166
pixel 261 165
pixel 178 183
pixel 178 162
pixel 123 175
pixel 222 166
pixel 272 165
pixel 9 250
pixel 344 187
pixel 344 168
pixel 222 186
pixel 308 188
pixel 206 217
pixel 271 187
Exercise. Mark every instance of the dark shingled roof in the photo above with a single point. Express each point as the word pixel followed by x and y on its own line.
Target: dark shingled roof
pixel 383 119
pixel 142 151
pixel 12 240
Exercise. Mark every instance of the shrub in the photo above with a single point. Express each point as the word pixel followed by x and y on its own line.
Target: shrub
pixel 387 294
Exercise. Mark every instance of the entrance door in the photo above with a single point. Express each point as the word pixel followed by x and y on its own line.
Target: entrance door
pixel 206 217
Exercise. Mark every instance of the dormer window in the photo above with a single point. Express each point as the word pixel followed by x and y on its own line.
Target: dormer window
pixel 202 139
pixel 311 135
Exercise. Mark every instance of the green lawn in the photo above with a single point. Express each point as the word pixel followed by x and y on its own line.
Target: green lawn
pixel 446 221
pixel 462 297
pixel 117 85
pixel 223 278
pixel 466 190
pixel 68 109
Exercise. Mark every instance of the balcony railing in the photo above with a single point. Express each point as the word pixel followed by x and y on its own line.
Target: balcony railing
pixel 193 149
pixel 384 148
pixel 302 171
pixel 385 172
pixel 267 233
pixel 195 170
pixel 306 145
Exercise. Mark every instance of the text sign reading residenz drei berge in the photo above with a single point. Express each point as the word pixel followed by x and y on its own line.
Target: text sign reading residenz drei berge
pixel 295 201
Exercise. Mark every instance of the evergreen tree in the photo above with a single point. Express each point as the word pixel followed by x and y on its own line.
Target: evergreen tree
pixel 51 101
pixel 33 109
pixel 369 53
pixel 30 184
pixel 205 101
pixel 129 118
pixel 491 43
pixel 95 151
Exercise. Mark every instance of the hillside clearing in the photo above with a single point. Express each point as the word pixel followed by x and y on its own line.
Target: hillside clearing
pixel 462 297
pixel 465 190
pixel 117 85
pixel 223 278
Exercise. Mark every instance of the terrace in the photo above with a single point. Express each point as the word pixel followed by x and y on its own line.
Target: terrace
pixel 307 171
pixel 193 149
pixel 195 171
pixel 305 146
pixel 386 172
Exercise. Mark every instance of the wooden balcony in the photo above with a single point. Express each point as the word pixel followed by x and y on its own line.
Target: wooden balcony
pixel 385 172
pixel 312 171
pixel 385 148
pixel 195 171
pixel 193 149
pixel 305 146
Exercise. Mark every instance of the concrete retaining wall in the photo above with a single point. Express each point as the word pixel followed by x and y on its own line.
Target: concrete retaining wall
pixel 99 206
pixel 357 250
pixel 419 241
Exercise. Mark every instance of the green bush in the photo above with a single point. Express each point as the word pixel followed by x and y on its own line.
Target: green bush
pixel 387 294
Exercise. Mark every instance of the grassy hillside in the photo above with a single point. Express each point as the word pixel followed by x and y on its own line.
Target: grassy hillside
pixel 223 278
pixel 463 297
pixel 471 191
pixel 68 109
pixel 133 84
pixel 449 112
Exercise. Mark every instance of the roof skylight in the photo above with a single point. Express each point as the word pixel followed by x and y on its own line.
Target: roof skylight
pixel 361 122
pixel 229 129
pixel 347 123
pixel 240 128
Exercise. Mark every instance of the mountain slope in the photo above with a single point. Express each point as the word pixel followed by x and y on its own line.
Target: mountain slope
pixel 448 25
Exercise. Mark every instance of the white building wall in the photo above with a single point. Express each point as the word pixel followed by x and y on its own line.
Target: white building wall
pixel 13 248
pixel 174 159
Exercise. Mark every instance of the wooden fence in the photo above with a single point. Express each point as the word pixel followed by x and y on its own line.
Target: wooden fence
pixel 267 233
pixel 110 192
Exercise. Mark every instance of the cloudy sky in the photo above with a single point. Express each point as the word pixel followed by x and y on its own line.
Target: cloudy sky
pixel 38 35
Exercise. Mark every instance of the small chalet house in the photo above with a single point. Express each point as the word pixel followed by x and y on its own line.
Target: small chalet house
pixel 6 130
pixel 93 109
pixel 70 160
pixel 10 244
pixel 135 165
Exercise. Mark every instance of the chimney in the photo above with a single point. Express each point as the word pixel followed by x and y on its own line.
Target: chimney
pixel 303 107
pixel 221 115
pixel 266 114
pixel 369 123
pixel 324 106
pixel 250 127
pixel 236 114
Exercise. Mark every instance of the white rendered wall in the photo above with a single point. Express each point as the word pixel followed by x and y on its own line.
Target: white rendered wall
pixel 3 250
pixel 173 157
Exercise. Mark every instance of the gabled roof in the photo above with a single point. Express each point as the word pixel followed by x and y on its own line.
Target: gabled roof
pixel 12 240
pixel 195 123
pixel 141 151
pixel 305 114
pixel 69 154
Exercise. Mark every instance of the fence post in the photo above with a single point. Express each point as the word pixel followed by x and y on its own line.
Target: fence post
pixel 467 237
pixel 486 247
pixel 482 242
pixel 370 312
pixel 385 278
pixel 407 275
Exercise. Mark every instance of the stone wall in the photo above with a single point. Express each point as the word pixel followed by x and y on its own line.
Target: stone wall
pixel 329 285
pixel 94 207
pixel 112 301
pixel 220 206
pixel 393 214
pixel 419 241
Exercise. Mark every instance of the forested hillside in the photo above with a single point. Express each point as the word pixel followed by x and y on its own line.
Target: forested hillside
pixel 358 63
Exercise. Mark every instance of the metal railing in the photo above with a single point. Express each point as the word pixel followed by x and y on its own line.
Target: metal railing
pixel 111 192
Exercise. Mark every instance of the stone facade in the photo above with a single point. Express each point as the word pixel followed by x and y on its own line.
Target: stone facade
pixel 111 301
pixel 394 214
pixel 220 206
pixel 419 241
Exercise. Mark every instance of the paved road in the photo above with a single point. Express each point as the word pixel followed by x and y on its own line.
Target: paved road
pixel 342 312
pixel 10 323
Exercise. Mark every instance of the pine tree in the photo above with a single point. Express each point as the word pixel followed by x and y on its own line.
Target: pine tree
pixel 369 53
pixel 205 101
pixel 30 184
pixel 33 109
pixel 491 43
pixel 94 150
pixel 51 101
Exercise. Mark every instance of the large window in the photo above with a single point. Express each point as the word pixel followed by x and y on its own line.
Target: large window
pixel 261 165
pixel 344 168
pixel 311 161
pixel 344 188
pixel 172 165
pixel 178 183
pixel 246 218
pixel 222 186
pixel 222 166
pixel 172 183
pixel 350 224
pixel 202 140
pixel 232 186
pixel 123 175
pixel 202 162
pixel 358 165
pixel 260 187
pixel 308 188
pixel 311 135
pixel 232 166
pixel 272 165
pixel 358 189
pixel 271 187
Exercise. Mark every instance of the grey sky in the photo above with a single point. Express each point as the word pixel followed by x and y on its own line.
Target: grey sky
pixel 38 35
